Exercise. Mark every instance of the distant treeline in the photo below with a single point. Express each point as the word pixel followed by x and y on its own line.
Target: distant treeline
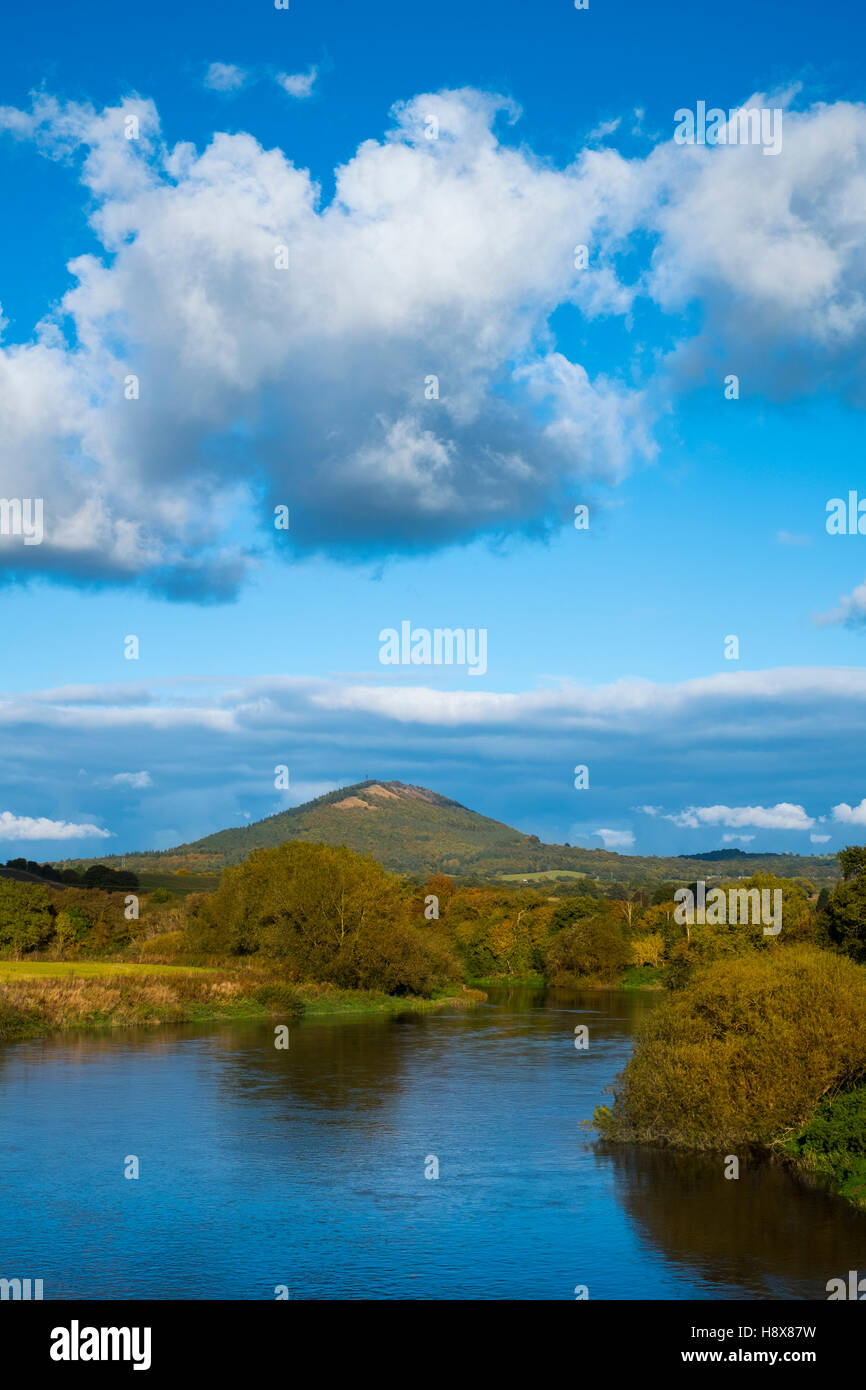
pixel 97 876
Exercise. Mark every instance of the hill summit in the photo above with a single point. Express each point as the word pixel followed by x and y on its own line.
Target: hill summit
pixel 408 829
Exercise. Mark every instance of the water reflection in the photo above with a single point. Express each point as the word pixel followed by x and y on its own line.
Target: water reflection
pixel 307 1166
pixel 763 1235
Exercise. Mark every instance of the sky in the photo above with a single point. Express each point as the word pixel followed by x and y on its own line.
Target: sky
pixel 321 321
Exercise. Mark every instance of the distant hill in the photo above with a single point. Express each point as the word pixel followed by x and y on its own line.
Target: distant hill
pixel 708 855
pixel 412 830
pixel 408 829
pixel 23 876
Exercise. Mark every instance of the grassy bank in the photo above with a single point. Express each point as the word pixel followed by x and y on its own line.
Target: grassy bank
pixel 635 977
pixel 39 997
pixel 320 1000
pixel 832 1146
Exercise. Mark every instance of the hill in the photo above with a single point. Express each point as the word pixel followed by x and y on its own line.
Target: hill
pixel 413 830
pixel 24 876
pixel 408 829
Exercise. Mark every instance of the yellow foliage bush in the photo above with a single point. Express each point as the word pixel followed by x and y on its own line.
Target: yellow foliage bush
pixel 744 1052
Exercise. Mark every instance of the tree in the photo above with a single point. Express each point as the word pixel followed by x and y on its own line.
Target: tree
pixel 852 861
pixel 442 887
pixel 71 926
pixel 26 920
pixel 327 913
pixel 594 947
pixel 649 949
pixel 842 924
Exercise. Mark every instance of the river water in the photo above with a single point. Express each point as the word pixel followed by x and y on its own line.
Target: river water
pixel 305 1168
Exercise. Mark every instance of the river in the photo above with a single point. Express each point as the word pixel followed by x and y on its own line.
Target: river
pixel 305 1168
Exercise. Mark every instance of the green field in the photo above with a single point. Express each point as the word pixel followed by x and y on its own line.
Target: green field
pixel 88 969
pixel 543 874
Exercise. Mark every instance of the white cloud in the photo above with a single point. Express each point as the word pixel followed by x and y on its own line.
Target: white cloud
pixel 625 705
pixel 41 828
pixel 225 77
pixel 783 290
pixel 446 255
pixel 743 839
pixel 616 839
pixel 783 816
pixel 298 84
pixel 819 839
pixel 850 815
pixel 132 779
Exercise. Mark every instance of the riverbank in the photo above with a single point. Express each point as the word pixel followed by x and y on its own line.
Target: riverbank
pixel 40 997
pixel 644 977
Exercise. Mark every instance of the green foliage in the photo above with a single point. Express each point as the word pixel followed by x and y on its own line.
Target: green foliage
pixel 95 876
pixel 833 1143
pixel 594 947
pixel 29 866
pixel 852 861
pixel 691 949
pixel 838 1125
pixel 497 932
pixel 744 1052
pixel 26 921
pixel 71 926
pixel 112 880
pixel 574 909
pixel 325 913
pixel 842 921
pixel 278 998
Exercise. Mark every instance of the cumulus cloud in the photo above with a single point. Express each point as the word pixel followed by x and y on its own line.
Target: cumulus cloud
pixel 783 289
pixel 440 257
pixel 298 84
pixel 819 839
pixel 14 827
pixel 224 77
pixel 132 779
pixel 187 383
pixel 784 816
pixel 850 815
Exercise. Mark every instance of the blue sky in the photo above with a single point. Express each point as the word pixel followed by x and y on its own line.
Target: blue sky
pixel 557 387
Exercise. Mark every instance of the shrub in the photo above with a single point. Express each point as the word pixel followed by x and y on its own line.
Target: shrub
pixel 838 1126
pixel 744 1052
pixel 280 998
